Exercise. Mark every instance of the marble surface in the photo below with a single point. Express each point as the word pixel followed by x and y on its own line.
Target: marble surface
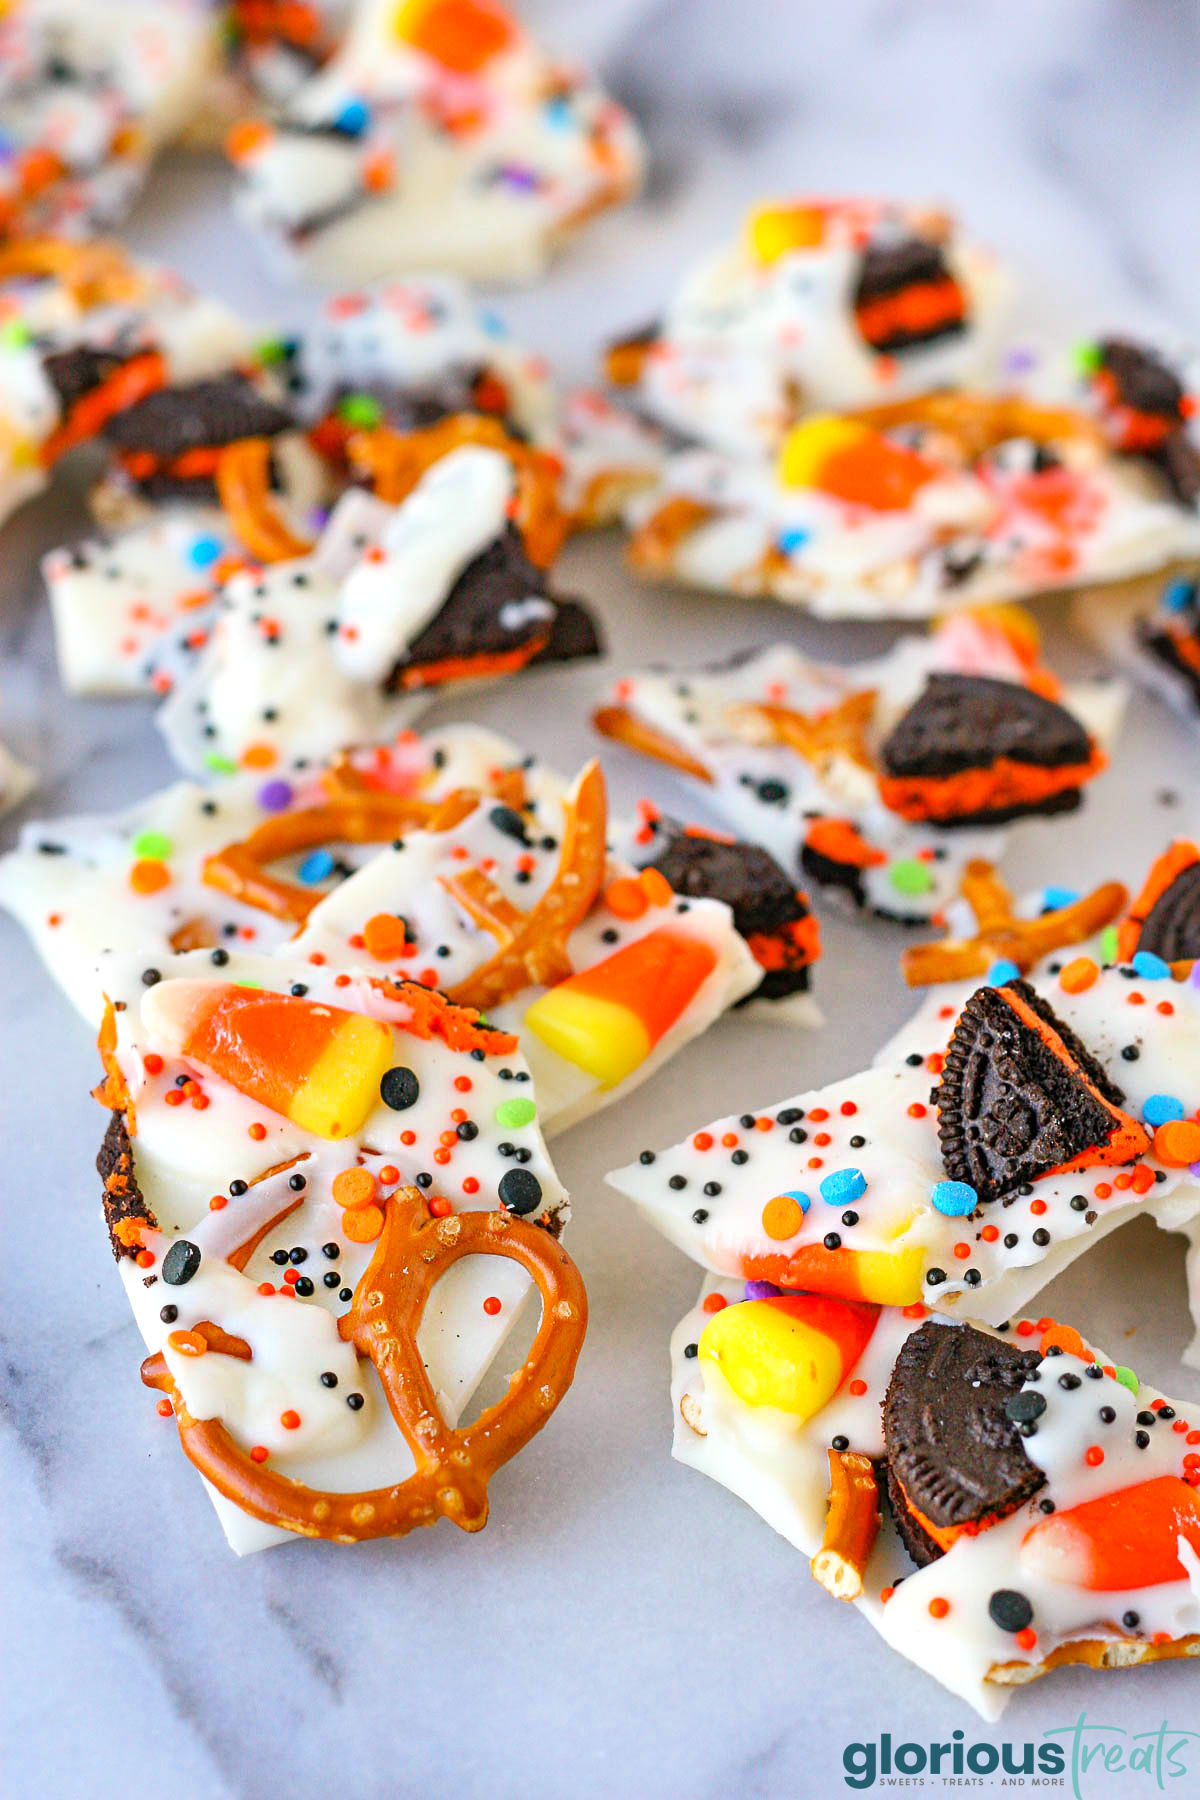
pixel 622 1626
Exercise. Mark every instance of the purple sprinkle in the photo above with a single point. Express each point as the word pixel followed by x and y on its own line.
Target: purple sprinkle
pixel 1019 360
pixel 762 1290
pixel 518 177
pixel 275 796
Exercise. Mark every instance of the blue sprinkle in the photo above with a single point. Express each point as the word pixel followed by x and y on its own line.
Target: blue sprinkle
pixel 354 118
pixel 317 865
pixel 204 552
pixel 558 111
pixel 1056 897
pixel 1160 1109
pixel 762 1290
pixel 793 539
pixel 843 1186
pixel 1151 967
pixel 493 324
pixel 955 1198
pixel 1002 971
pixel 1178 596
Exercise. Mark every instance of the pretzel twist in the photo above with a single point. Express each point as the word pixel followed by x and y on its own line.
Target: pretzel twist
pixel 243 479
pixel 1001 936
pixel 94 274
pixel 453 1466
pixel 976 423
pixel 395 461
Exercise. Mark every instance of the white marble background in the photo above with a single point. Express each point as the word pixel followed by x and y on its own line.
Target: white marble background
pixel 622 1628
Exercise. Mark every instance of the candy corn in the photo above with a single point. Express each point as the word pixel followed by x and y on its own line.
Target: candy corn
pixel 853 463
pixel 1126 1539
pixel 462 35
pixel 885 1277
pixel 607 1019
pixel 319 1066
pixel 775 230
pixel 792 1352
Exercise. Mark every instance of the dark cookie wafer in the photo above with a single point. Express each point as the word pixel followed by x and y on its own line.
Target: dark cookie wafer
pixel 963 722
pixel 766 906
pixel 906 295
pixel 123 1199
pixel 1172 928
pixel 204 415
pixel 1141 380
pixel 1017 1102
pixel 955 1458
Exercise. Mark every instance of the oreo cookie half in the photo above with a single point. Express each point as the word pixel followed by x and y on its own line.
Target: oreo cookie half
pixel 124 1202
pixel 906 295
pixel 955 1457
pixel 1172 926
pixel 768 912
pixel 1021 1096
pixel 173 422
pixel 975 725
pixel 498 616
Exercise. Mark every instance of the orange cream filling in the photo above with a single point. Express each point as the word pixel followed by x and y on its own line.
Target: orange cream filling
pixel 1002 784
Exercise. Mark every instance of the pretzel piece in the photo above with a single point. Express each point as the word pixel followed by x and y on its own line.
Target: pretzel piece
pixel 95 274
pixel 618 723
pixel 653 545
pixel 1094 1653
pixel 978 422
pixel 243 480
pixel 840 730
pixel 395 461
pixel 1002 937
pixel 851 1524
pixel 453 1467
pixel 536 954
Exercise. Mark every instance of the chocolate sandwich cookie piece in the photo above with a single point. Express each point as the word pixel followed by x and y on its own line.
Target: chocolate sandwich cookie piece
pixel 1021 1096
pixel 1172 634
pixel 1148 408
pixel 574 634
pixel 168 440
pixel 768 912
pixel 906 295
pixel 962 726
pixel 124 1202
pixel 955 1456
pixel 1171 926
pixel 498 616
pixel 79 371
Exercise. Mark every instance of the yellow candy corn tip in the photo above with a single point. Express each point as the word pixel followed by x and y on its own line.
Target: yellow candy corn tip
pixel 603 1039
pixel 343 1085
pixel 890 1277
pixel 772 231
pixel 807 447
pixel 769 1358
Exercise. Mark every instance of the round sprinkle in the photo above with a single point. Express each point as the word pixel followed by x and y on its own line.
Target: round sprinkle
pixel 153 844
pixel 181 1262
pixel 762 1290
pixel 275 796
pixel 1161 1109
pixel 512 1114
pixel 783 1215
pixel 519 1191
pixel 908 876
pixel 1024 1407
pixel 1150 967
pixel 317 866
pixel 843 1187
pixel 399 1089
pixel 1010 1610
pixel 1002 971
pixel 955 1198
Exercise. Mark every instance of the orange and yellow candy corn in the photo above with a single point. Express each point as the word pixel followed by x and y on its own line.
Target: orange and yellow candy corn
pixel 791 1352
pixel 1126 1539
pixel 849 460
pixel 320 1066
pixel 607 1019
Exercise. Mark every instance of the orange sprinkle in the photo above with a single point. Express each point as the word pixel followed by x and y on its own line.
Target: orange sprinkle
pixel 265 1288
pixel 173 1097
pixel 244 140
pixel 989 1234
pixel 408 1137
pixel 782 1217
pixel 470 1185
pixel 1079 975
pixel 714 1303
pixel 702 1140
pixel 1026 1639
pixel 186 1343
pixel 822 1138
pixel 626 898
pixel 259 1453
pixel 885 1594
pixel 341 981
pixel 730 1140
pixel 152 1062
pixel 1102 1190
pixel 938 1608
pixel 1165 1008
pixel 463 1083
pixel 389 1174
pixel 257 1131
pixel 1093 1456
pixel 441 1157
pixel 935 1063
pixel 259 756
pixel 765 1124
pixel 816 1162
pixel 916 1110
pixel 218 1203
pixel 858 1386
pixel 290 1420
pixel 363 1224
pixel 819 1114
pixel 54 920
pixel 145 1259
pixel 355 1187
pixel 200 1102
pixel 491 1305
pixel 384 936
pixel 1037 1206
pixel 148 875
pixel 962 1251
pixel 1177 1143
pixel 1135 999
pixel 164 1409
pixel 440 1207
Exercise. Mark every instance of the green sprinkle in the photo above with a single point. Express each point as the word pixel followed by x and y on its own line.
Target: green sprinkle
pixel 15 335
pixel 908 876
pixel 1108 944
pixel 1127 1378
pixel 253 984
pixel 271 350
pixel 220 765
pixel 360 409
pixel 1086 358
pixel 512 1114
pixel 154 844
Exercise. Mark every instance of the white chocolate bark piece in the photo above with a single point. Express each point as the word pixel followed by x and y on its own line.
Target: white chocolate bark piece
pixel 1152 631
pixel 768 328
pixel 770 794
pixel 133 880
pixel 845 1189
pixel 778 1463
pixel 184 1156
pixel 308 657
pixel 437 138
pixel 89 95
